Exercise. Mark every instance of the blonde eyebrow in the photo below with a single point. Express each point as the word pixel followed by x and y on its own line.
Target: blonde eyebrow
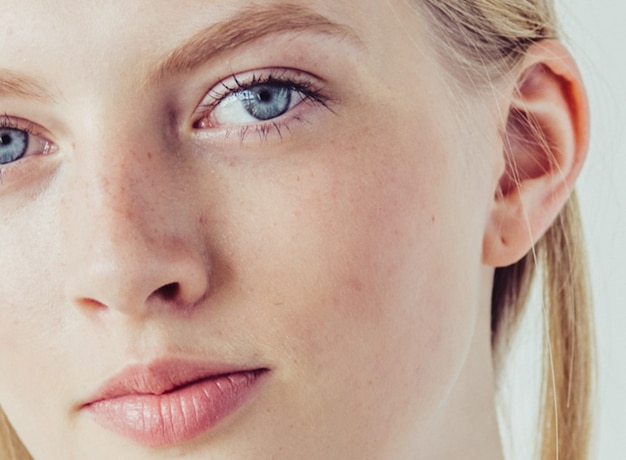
pixel 15 84
pixel 244 27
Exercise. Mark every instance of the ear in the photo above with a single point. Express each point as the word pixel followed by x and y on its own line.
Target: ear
pixel 545 144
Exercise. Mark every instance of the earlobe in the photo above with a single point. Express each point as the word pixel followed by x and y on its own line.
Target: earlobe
pixel 545 143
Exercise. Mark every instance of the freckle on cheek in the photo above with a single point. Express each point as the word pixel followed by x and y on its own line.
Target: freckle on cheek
pixel 355 284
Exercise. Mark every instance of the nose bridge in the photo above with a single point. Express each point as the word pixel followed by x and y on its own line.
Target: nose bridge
pixel 127 241
pixel 115 190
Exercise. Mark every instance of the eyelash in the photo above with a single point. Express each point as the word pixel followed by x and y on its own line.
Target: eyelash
pixel 8 122
pixel 296 82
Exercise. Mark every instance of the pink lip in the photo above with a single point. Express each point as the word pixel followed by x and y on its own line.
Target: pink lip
pixel 170 402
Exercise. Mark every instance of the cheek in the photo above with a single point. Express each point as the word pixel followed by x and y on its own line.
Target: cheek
pixel 27 309
pixel 32 329
pixel 365 258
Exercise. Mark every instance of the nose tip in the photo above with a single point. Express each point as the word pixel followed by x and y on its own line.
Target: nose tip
pixel 131 240
pixel 139 287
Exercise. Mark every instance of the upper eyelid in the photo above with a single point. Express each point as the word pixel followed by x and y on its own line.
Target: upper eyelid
pixel 12 122
pixel 39 121
pixel 251 78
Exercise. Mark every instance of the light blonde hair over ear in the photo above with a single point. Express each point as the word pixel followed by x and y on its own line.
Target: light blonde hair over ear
pixel 11 448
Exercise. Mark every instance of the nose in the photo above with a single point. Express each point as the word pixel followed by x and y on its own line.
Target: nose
pixel 129 234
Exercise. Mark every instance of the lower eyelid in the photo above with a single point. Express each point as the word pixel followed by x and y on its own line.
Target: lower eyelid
pixel 28 171
pixel 301 113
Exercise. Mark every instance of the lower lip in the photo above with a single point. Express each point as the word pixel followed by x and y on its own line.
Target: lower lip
pixel 177 416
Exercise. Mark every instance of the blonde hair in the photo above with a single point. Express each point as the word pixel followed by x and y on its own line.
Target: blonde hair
pixel 483 40
pixel 11 448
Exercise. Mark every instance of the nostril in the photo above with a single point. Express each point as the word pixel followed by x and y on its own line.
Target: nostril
pixel 169 291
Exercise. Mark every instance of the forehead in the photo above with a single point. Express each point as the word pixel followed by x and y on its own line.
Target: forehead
pixel 73 46
pixel 54 40
pixel 72 26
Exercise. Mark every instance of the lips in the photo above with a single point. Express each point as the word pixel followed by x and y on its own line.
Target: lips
pixel 171 402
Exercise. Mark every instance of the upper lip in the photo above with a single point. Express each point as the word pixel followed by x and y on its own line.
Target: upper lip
pixel 162 376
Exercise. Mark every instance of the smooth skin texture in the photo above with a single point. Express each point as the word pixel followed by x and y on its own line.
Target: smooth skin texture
pixel 348 245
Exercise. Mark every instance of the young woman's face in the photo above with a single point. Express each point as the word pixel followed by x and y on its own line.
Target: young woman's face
pixel 235 229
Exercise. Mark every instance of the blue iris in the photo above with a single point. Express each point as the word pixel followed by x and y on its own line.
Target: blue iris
pixel 265 102
pixel 13 144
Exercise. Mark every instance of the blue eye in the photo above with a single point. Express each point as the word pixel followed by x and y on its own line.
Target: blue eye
pixel 260 101
pixel 19 139
pixel 13 144
pixel 255 103
pixel 265 102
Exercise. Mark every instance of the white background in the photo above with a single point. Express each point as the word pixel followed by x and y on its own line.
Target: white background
pixel 596 33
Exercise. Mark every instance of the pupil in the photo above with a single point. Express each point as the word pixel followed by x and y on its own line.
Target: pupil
pixel 265 96
pixel 5 139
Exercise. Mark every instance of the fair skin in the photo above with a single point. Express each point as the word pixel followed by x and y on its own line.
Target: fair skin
pixel 347 246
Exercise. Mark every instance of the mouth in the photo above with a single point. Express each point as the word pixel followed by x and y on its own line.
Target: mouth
pixel 171 402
